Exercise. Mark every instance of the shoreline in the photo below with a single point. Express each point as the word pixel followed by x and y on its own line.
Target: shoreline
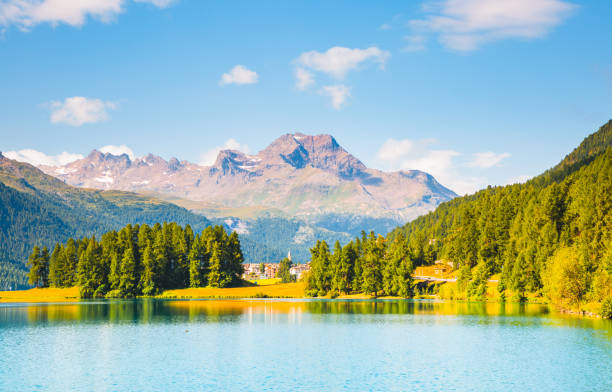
pixel 289 291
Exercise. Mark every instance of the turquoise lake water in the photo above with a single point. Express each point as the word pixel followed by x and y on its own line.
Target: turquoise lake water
pixel 280 345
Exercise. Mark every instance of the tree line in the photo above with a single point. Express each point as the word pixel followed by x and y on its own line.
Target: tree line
pixel 551 236
pixel 371 264
pixel 140 260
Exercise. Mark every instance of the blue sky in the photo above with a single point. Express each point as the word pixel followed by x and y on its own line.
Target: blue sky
pixel 475 92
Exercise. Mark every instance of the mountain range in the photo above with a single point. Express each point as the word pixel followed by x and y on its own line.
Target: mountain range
pixel 299 176
pixel 298 190
pixel 37 209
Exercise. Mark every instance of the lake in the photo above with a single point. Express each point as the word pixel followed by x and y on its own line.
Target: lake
pixel 301 345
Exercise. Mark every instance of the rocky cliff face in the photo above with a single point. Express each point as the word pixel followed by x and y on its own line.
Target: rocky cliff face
pixel 298 174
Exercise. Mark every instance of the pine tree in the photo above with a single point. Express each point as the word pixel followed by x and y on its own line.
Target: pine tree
pixel 214 276
pixel 147 282
pixel 36 268
pixel 372 259
pixel 55 267
pixel 334 269
pixel 284 271
pixel 128 284
pixel 85 271
pixel 236 257
pixel 160 262
pixel 345 269
pixel 70 253
pixel 196 278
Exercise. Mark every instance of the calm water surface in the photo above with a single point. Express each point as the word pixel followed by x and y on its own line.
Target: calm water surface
pixel 154 345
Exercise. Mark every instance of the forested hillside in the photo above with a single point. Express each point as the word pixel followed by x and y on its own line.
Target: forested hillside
pixel 269 239
pixel 139 260
pixel 36 209
pixel 551 235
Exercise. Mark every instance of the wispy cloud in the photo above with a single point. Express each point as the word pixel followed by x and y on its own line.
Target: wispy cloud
pixel 239 75
pixel 158 3
pixel 77 111
pixel 303 78
pixel 448 166
pixel 465 25
pixel 210 156
pixel 335 63
pixel 487 159
pixel 338 61
pixel 38 158
pixel 337 93
pixel 26 14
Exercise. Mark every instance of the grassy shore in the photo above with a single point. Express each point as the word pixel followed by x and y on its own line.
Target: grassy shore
pixel 41 295
pixel 446 290
pixel 290 290
pixel 287 290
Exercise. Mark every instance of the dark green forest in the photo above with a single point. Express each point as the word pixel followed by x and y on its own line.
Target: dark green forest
pixel 140 260
pixel 37 209
pixel 369 264
pixel 550 236
pixel 270 238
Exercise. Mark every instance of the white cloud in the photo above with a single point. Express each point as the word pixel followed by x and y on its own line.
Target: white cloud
pixel 210 156
pixel 118 150
pixel 465 25
pixel 239 75
pixel 37 158
pixel 338 94
pixel 337 61
pixel 158 3
pixel 77 111
pixel 28 13
pixel 487 159
pixel 303 78
pixel 409 154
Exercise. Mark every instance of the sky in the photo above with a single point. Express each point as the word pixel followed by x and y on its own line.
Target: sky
pixel 475 92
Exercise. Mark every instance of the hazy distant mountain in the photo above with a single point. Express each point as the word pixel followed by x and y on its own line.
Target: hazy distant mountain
pixel 297 175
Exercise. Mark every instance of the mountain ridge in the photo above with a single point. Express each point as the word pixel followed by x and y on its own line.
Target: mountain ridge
pixel 299 174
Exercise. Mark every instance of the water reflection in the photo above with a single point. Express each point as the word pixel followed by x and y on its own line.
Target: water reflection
pixel 229 311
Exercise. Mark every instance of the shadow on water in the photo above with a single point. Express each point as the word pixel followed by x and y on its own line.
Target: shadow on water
pixel 150 311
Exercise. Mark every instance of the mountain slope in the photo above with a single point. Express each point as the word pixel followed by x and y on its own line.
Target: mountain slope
pixel 590 148
pixel 551 235
pixel 297 175
pixel 37 209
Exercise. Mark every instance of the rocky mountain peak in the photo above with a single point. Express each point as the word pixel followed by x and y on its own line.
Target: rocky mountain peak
pixel 296 174
pixel 174 164
pixel 232 162
pixel 319 151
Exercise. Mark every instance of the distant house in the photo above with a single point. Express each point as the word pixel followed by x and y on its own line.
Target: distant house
pixel 253 270
pixel 298 270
